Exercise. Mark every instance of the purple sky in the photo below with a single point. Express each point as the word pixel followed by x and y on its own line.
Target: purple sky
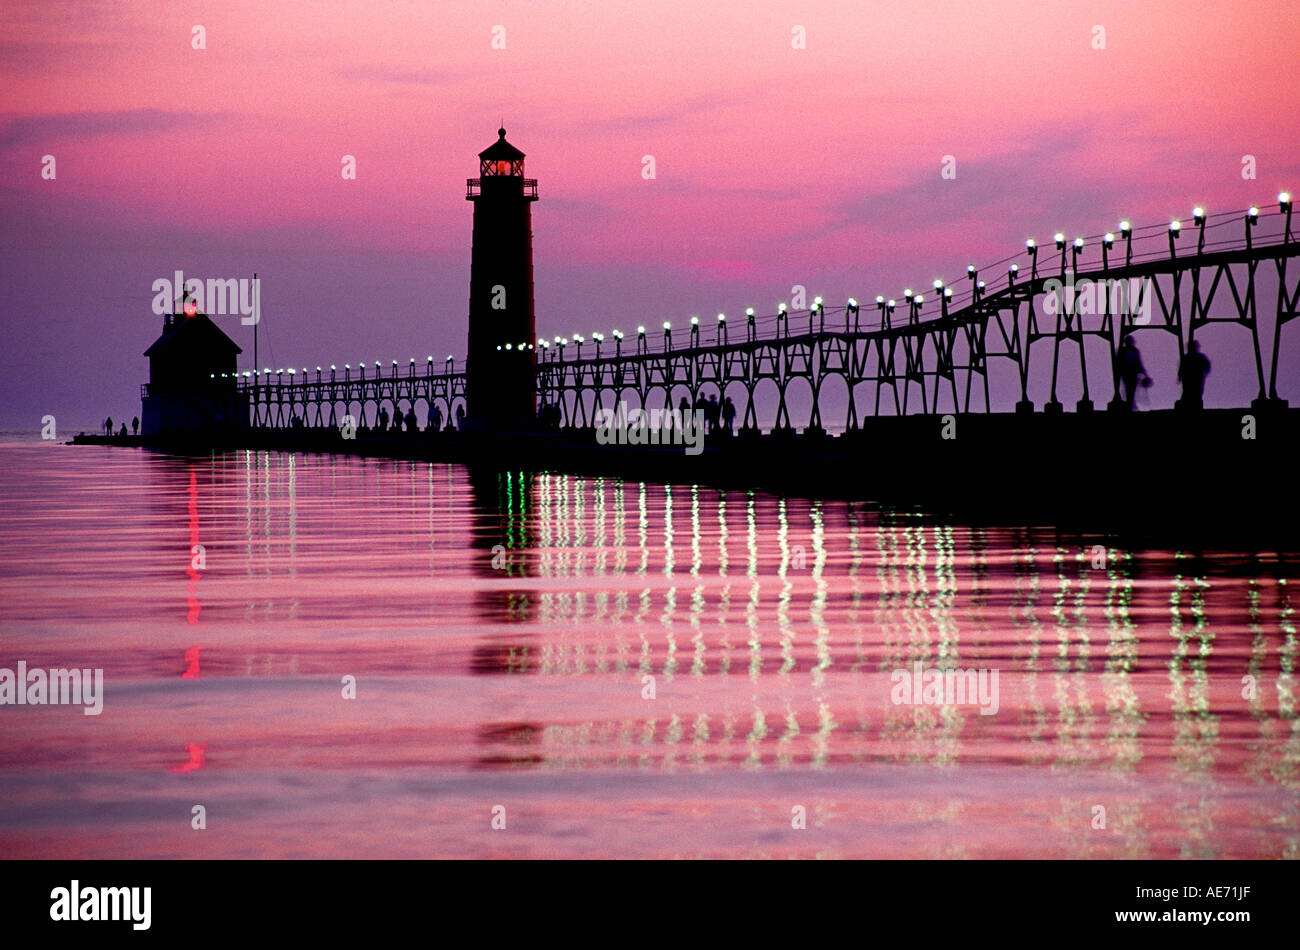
pixel 775 166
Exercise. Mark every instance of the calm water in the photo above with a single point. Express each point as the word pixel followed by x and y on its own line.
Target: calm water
pixel 500 629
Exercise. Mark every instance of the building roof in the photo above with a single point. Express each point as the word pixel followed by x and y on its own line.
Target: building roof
pixel 197 331
pixel 501 150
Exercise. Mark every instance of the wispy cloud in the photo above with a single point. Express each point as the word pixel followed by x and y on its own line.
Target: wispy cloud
pixel 55 35
pixel 23 55
pixel 636 122
pixel 1050 171
pixel 22 130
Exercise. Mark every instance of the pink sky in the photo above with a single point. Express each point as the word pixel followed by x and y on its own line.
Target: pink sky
pixel 775 166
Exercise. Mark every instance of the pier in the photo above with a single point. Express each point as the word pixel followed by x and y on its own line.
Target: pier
pixel 927 397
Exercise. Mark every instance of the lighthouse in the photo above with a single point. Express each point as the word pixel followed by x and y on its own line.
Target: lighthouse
pixel 500 378
pixel 193 377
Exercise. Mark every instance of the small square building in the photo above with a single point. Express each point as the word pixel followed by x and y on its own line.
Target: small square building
pixel 193 379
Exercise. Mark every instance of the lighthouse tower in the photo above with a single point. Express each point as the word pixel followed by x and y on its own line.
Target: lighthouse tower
pixel 500 380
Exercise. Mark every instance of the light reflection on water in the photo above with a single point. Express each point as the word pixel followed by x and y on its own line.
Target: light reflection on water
pixel 500 628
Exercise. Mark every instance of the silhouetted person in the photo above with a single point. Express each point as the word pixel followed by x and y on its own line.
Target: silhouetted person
pixel 122 434
pixel 435 419
pixel 1128 364
pixel 1191 373
pixel 728 414
pixel 135 425
pixel 411 421
pixel 460 417
pixel 383 418
pixel 712 408
pixel 108 425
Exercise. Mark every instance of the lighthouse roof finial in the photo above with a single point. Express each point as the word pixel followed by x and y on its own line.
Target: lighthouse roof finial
pixel 501 150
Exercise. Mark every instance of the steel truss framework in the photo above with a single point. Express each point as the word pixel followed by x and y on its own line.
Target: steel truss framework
pixel 905 364
pixel 908 364
pixel 325 401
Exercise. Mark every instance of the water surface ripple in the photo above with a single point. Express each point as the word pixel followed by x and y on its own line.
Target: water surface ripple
pixel 506 632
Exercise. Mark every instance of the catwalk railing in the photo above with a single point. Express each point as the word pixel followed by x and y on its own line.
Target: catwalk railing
pixel 1162 278
pixel 326 397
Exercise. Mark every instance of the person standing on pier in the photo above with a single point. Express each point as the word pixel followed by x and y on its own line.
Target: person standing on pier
pixel 135 425
pixel 1128 364
pixel 728 415
pixel 1191 373
pixel 108 426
